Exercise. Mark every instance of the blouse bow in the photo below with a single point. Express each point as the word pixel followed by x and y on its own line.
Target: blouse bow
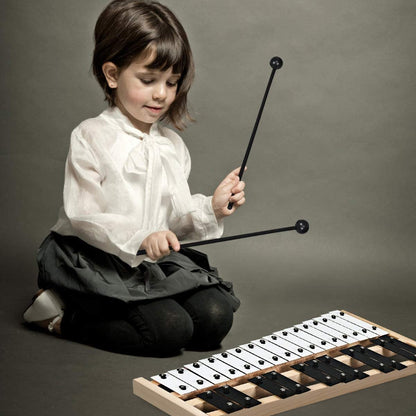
pixel 152 155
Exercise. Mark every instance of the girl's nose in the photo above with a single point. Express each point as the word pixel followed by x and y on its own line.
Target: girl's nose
pixel 159 92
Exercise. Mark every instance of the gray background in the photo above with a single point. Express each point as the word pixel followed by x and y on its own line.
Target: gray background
pixel 335 146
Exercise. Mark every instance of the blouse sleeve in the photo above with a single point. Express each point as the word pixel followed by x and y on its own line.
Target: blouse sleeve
pixel 86 207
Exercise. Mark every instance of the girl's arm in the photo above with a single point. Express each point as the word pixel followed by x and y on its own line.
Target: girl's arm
pixel 86 207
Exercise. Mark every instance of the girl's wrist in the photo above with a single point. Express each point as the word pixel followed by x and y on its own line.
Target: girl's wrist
pixel 217 211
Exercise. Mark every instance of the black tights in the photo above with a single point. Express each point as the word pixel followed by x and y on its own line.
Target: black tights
pixel 198 320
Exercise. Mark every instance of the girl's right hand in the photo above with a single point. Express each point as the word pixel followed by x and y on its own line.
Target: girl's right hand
pixel 157 245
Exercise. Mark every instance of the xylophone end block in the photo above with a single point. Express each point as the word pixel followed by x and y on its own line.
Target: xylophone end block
pixel 168 402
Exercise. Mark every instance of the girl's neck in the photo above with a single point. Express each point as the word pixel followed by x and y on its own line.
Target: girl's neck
pixel 139 125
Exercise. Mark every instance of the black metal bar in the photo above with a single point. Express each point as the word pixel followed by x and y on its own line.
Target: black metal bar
pixel 372 359
pixel 272 386
pixel 286 382
pixel 343 368
pixel 399 347
pixel 219 401
pixel 317 374
pixel 237 396
pixel 331 371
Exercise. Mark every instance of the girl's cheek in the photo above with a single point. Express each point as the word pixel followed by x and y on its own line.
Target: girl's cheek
pixel 136 95
pixel 172 97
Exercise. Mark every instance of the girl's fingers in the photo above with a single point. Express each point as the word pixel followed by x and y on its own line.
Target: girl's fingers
pixel 232 177
pixel 164 249
pixel 239 187
pixel 233 174
pixel 173 241
pixel 237 197
pixel 236 171
pixel 155 250
pixel 149 253
pixel 158 244
pixel 229 190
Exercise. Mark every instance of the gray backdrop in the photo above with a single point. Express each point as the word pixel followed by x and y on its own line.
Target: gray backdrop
pixel 335 146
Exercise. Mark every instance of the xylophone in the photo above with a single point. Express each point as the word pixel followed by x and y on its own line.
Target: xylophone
pixel 321 358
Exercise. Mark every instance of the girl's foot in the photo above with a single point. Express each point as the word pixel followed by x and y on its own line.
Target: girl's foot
pixel 46 311
pixel 53 326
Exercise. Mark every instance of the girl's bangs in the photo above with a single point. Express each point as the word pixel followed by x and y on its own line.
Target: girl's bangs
pixel 168 53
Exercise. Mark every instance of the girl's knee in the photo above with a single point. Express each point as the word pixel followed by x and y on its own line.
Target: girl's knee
pixel 166 327
pixel 209 305
pixel 213 317
pixel 173 333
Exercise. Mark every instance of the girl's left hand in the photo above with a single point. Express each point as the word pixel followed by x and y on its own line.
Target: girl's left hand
pixel 231 189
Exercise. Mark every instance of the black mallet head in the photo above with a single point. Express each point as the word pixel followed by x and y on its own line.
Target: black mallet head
pixel 276 62
pixel 302 226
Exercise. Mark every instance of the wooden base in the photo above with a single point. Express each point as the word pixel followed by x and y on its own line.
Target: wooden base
pixel 175 405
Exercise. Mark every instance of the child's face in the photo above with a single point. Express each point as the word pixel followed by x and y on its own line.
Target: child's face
pixel 143 94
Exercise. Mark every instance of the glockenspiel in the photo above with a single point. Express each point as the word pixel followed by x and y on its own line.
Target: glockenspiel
pixel 324 357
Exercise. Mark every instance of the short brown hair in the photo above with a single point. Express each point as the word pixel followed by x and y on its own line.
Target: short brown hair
pixel 126 28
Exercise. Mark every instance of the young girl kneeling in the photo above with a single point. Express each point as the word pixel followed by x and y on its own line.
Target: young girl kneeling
pixel 126 189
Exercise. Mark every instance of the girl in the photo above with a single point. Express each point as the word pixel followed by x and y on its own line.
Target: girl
pixel 126 189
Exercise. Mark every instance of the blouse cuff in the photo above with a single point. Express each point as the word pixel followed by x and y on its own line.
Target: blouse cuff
pixel 206 222
pixel 128 251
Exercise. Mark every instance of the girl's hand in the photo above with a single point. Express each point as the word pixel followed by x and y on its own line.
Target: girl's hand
pixel 157 245
pixel 229 190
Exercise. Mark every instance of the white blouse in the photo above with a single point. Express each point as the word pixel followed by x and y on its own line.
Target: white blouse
pixel 122 184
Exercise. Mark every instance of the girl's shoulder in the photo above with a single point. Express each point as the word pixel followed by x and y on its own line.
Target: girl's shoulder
pixel 93 126
pixel 93 129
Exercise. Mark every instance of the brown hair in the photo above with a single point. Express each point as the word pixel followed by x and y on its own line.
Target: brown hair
pixel 126 28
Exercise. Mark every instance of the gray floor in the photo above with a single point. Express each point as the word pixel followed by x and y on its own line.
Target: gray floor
pixel 45 375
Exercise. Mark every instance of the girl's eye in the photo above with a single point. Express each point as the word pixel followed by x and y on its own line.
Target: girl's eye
pixel 149 81
pixel 146 81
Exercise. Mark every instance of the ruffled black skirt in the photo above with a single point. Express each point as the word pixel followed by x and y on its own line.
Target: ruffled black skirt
pixel 68 264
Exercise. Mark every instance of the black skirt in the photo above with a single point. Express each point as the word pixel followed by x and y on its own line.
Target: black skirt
pixel 68 264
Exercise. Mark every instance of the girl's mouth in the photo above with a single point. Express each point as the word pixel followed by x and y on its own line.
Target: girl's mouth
pixel 155 110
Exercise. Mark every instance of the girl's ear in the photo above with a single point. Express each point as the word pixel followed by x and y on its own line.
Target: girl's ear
pixel 110 72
